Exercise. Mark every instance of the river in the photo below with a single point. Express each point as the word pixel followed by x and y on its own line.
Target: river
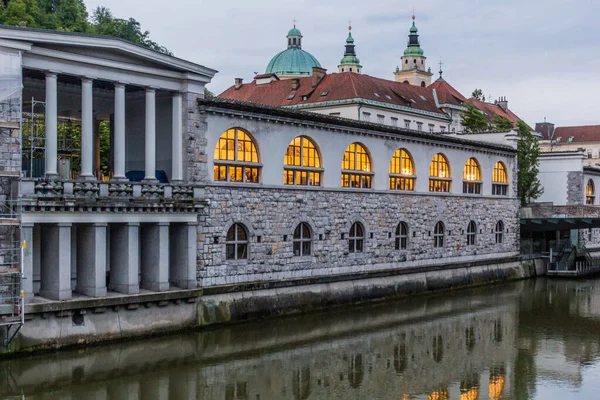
pixel 536 339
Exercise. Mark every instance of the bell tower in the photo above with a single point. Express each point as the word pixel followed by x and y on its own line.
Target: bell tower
pixel 413 69
pixel 350 63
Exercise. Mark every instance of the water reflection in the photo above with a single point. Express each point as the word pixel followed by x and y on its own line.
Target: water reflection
pixel 535 339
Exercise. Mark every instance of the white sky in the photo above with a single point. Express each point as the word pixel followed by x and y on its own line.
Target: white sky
pixel 543 55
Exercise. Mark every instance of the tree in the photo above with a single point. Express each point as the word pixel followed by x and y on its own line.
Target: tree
pixel 528 154
pixel 208 94
pixel 478 95
pixel 473 120
pixel 502 123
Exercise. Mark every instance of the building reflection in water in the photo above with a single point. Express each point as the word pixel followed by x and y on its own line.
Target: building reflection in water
pixel 415 349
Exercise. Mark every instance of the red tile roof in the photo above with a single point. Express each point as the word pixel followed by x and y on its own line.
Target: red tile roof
pixel 338 86
pixel 446 94
pixel 587 133
pixel 490 110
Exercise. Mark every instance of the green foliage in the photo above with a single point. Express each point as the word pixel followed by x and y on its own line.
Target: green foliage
pixel 478 95
pixel 473 120
pixel 528 148
pixel 72 16
pixel 502 123
pixel 208 94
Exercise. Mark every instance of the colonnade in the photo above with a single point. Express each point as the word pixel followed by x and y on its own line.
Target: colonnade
pixel 93 258
pixel 87 131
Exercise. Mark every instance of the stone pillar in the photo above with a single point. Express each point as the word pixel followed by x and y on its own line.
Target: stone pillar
pixel 91 260
pixel 155 256
pixel 150 149
pixel 27 261
pixel 56 262
pixel 177 136
pixel 51 125
pixel 119 132
pixel 124 258
pixel 182 268
pixel 124 391
pixel 156 388
pixel 87 130
pixel 37 256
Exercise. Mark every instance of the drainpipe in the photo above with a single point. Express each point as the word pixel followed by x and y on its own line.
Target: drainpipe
pixel 359 106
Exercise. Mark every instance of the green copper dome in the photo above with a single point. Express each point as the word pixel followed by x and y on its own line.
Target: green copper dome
pixel 294 32
pixel 414 29
pixel 350 54
pixel 292 61
pixel 414 47
pixel 414 52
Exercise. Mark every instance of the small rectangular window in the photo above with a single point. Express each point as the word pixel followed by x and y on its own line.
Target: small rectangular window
pixel 291 96
pixel 258 239
pixel 366 116
pixel 394 121
pixel 381 119
pixel 419 126
pixel 431 128
pixel 407 123
pixel 442 128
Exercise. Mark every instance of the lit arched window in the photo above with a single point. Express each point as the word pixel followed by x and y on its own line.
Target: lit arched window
pixel 302 240
pixel 402 171
pixel 439 174
pixel 441 394
pixel 472 177
pixel 236 158
pixel 471 233
pixel 499 232
pixel 499 180
pixel 302 163
pixel 402 236
pixel 236 243
pixel 438 235
pixel 589 192
pixel 356 238
pixel 356 167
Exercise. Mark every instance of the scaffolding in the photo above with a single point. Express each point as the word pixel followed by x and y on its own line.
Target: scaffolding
pixel 12 297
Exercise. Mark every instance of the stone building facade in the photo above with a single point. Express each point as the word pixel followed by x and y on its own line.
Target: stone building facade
pixel 270 211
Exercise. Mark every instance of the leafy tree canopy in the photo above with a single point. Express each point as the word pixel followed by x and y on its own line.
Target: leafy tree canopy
pixel 478 95
pixel 502 123
pixel 528 154
pixel 72 16
pixel 473 120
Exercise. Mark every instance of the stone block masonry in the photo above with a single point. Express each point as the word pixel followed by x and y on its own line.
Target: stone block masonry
pixel 271 215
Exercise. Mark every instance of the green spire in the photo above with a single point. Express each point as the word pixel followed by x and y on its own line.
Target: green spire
pixel 414 47
pixel 350 63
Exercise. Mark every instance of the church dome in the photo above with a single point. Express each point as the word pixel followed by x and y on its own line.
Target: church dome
pixel 293 60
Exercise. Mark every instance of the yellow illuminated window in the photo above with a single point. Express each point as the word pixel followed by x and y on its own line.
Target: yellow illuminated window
pixel 472 177
pixel 590 192
pixel 439 395
pixel 439 174
pixel 496 386
pixel 302 163
pixel 499 180
pixel 356 167
pixel 402 171
pixel 236 158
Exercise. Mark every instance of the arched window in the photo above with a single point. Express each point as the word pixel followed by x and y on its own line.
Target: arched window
pixel 471 233
pixel 439 174
pixel 294 41
pixel 236 158
pixel 302 163
pixel 302 240
pixel 407 82
pixel 472 177
pixel 356 238
pixel 499 180
pixel 406 61
pixel 402 171
pixel 499 232
pixel 438 235
pixel 356 167
pixel 590 192
pixel 236 243
pixel 402 236
pixel 423 84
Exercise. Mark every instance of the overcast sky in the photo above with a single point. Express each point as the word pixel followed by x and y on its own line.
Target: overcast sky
pixel 542 55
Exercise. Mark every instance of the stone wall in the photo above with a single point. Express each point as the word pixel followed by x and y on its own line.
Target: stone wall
pixel 194 140
pixel 271 215
pixel 575 188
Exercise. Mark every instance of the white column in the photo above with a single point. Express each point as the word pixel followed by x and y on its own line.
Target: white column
pixel 155 256
pixel 182 253
pixel 125 258
pixel 87 130
pixel 150 135
pixel 91 259
pixel 119 130
pixel 177 134
pixel 51 125
pixel 56 262
pixel 27 237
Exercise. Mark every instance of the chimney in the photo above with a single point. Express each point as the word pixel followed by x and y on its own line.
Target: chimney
pixel 295 84
pixel 546 129
pixel 317 75
pixel 238 83
pixel 503 103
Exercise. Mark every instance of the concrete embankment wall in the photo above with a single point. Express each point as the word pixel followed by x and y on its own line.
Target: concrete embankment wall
pixel 54 325
pixel 218 307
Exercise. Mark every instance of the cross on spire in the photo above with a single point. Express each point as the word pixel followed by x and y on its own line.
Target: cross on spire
pixel 295 20
pixel 413 16
pixel 350 24
pixel 441 72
